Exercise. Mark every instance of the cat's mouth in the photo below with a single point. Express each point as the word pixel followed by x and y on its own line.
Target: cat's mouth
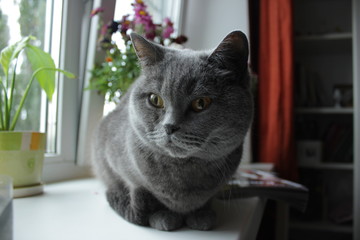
pixel 170 143
pixel 176 145
pixel 174 150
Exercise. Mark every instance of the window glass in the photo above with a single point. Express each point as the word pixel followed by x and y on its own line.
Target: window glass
pixel 18 19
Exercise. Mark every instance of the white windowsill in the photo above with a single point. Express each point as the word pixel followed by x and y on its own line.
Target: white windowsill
pixel 78 210
pixel 56 171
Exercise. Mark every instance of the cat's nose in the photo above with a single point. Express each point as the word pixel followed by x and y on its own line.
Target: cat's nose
pixel 170 128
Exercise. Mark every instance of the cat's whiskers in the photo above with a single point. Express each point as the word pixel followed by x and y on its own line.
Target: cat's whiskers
pixel 220 174
pixel 155 135
pixel 220 141
pixel 188 141
pixel 192 137
pixel 183 144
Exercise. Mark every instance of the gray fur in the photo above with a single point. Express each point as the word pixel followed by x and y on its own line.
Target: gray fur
pixel 165 178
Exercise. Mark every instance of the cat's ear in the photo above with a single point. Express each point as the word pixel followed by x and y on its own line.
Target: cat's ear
pixel 147 52
pixel 232 52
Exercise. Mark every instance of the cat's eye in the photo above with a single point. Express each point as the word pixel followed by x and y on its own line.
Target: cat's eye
pixel 201 104
pixel 156 100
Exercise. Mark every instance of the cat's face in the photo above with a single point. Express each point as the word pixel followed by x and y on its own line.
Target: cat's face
pixel 187 103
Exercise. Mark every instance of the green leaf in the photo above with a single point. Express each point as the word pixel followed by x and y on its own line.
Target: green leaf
pixel 22 101
pixel 2 90
pixel 66 73
pixel 41 60
pixel 11 52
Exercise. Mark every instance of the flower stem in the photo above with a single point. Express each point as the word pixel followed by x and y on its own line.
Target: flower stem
pixel 11 96
pixel 2 88
pixel 6 109
pixel 22 101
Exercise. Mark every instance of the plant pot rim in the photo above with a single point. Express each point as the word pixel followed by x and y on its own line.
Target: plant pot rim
pixel 26 140
pixel 25 131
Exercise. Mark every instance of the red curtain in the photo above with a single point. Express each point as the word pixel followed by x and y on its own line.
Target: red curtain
pixel 276 144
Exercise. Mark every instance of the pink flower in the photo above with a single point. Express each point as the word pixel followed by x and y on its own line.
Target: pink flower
pixel 104 29
pixel 144 19
pixel 139 21
pixel 168 29
pixel 168 22
pixel 96 11
pixel 167 32
pixel 125 24
pixel 150 34
pixel 140 9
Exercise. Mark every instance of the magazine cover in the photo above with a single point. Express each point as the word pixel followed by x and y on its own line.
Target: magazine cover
pixel 256 183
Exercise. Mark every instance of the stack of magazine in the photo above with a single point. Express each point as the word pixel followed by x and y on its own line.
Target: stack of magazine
pixel 256 183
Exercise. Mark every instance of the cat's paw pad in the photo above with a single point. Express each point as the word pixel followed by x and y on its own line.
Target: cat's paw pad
pixel 201 220
pixel 166 220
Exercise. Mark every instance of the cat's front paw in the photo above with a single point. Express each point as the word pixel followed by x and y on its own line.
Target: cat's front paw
pixel 120 202
pixel 203 220
pixel 166 220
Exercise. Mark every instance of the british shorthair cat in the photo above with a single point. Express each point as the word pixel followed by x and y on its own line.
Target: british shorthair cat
pixel 177 135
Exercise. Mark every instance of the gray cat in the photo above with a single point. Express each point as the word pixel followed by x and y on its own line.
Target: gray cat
pixel 177 135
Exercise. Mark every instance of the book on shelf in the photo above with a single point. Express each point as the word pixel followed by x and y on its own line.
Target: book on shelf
pixel 338 143
pixel 257 183
pixel 310 89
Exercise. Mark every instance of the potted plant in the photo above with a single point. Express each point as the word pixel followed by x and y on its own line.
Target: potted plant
pixel 22 153
pixel 120 68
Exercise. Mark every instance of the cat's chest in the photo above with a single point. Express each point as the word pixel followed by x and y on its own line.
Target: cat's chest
pixel 184 175
pixel 181 186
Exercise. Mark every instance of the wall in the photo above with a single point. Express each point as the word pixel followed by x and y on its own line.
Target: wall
pixel 207 22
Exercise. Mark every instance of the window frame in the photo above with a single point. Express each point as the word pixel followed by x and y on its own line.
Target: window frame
pixel 74 31
pixel 92 103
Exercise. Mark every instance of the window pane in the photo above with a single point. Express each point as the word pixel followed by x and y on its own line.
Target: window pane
pixel 19 19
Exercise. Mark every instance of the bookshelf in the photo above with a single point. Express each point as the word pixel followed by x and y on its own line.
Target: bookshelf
pixel 324 110
pixel 326 36
pixel 320 43
pixel 327 118
pixel 322 226
pixel 329 166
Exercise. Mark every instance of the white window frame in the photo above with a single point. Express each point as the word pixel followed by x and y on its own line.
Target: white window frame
pixel 92 103
pixel 74 32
